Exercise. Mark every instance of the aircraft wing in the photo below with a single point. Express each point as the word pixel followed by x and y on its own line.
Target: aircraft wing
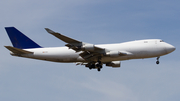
pixel 90 52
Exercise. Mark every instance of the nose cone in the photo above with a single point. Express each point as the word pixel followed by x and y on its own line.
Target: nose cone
pixel 170 48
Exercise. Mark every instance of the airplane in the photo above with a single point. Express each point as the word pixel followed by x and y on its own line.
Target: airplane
pixel 81 53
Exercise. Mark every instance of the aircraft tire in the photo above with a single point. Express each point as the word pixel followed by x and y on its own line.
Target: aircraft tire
pixel 157 62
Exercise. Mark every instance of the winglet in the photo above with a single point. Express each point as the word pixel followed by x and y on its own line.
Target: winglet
pixel 49 31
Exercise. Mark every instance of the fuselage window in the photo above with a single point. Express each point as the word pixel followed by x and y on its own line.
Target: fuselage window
pixel 161 41
pixel 145 41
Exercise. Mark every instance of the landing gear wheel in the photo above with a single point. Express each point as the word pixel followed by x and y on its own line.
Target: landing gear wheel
pixel 157 62
pixel 100 66
pixel 92 66
pixel 99 69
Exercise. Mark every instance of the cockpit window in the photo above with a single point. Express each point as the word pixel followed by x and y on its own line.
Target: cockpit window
pixel 161 41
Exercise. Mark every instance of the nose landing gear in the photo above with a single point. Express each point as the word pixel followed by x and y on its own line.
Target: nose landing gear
pixel 157 62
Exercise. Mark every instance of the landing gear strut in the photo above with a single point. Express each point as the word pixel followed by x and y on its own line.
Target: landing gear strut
pixel 99 66
pixel 157 62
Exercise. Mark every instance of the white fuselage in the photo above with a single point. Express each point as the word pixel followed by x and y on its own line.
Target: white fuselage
pixel 135 49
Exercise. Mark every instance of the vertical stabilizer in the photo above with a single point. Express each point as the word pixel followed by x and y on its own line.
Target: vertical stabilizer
pixel 19 40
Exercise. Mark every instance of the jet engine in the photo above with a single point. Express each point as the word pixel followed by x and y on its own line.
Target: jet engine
pixel 113 53
pixel 88 47
pixel 114 64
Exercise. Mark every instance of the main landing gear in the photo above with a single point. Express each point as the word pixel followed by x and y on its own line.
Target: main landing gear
pixel 97 66
pixel 157 62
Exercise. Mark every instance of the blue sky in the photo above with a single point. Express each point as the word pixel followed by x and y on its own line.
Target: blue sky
pixel 97 22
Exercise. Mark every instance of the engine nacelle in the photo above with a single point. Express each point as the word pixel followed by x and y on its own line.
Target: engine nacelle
pixel 88 47
pixel 114 64
pixel 113 53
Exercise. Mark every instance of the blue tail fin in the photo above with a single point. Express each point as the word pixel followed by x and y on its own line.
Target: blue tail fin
pixel 19 40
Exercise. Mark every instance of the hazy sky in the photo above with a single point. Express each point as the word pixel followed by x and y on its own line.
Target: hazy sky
pixel 97 22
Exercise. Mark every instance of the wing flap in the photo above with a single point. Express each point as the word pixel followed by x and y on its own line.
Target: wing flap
pixel 90 56
pixel 17 50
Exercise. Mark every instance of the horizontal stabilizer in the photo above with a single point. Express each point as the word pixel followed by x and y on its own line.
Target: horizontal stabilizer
pixel 17 50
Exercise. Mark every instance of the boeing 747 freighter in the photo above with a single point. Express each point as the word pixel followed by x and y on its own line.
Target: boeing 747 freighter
pixel 81 53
